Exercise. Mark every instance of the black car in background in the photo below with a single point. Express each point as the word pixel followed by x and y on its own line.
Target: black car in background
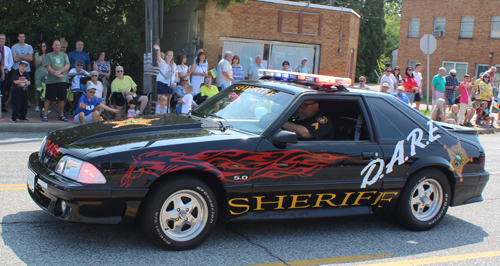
pixel 231 160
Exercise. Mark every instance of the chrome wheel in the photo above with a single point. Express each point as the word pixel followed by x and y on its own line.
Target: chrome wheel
pixel 427 199
pixel 183 215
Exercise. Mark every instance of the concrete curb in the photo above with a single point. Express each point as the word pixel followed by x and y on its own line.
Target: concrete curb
pixel 33 127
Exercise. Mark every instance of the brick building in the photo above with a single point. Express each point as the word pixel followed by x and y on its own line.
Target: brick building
pixel 278 30
pixel 467 34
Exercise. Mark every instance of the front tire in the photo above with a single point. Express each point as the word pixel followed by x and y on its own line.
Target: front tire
pixel 424 201
pixel 180 213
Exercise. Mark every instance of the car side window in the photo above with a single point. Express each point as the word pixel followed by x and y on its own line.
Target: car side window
pixel 344 116
pixel 390 123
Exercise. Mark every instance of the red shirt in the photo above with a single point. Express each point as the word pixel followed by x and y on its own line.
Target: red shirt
pixel 409 83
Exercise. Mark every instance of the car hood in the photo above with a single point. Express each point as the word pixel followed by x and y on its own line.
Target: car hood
pixel 83 139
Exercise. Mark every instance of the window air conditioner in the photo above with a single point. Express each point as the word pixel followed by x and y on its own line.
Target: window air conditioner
pixel 438 33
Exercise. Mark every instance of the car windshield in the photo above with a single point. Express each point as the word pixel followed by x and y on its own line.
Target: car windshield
pixel 245 107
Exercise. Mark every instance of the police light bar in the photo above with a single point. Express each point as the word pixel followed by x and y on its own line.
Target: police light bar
pixel 287 75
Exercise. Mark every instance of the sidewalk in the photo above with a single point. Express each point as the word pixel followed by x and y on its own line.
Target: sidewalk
pixel 35 123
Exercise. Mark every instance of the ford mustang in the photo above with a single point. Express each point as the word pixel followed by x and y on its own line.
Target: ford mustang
pixel 239 157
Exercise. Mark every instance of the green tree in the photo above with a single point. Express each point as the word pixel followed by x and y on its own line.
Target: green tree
pixel 110 25
pixel 393 21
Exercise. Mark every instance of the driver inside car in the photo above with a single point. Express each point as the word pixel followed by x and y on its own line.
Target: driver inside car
pixel 312 124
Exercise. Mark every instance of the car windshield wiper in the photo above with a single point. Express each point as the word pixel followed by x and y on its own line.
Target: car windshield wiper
pixel 222 126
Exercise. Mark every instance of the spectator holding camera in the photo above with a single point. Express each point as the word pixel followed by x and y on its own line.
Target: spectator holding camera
pixel 21 80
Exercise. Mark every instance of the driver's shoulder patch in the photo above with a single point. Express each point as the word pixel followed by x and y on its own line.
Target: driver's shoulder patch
pixel 322 119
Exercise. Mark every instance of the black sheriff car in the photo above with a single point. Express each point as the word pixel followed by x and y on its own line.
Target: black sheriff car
pixel 244 155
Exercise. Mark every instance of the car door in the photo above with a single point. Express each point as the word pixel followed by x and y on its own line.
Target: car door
pixel 316 177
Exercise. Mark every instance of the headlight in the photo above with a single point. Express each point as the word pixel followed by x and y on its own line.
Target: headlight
pixel 79 171
pixel 41 148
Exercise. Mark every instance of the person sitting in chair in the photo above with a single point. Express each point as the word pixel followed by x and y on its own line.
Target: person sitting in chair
pixel 312 124
pixel 125 84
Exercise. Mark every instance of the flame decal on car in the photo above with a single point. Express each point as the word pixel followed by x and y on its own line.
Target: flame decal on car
pixel 230 163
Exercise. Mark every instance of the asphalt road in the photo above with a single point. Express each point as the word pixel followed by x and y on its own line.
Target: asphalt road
pixel 469 235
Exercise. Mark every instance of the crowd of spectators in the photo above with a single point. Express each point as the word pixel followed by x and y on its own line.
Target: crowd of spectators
pixel 475 94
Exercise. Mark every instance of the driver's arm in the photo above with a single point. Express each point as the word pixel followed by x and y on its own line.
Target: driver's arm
pixel 301 131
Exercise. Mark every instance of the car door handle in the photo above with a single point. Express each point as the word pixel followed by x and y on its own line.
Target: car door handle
pixel 366 155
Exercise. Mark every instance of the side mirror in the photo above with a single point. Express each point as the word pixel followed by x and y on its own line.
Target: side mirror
pixel 284 137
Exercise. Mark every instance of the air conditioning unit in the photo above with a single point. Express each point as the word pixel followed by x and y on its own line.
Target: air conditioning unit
pixel 438 33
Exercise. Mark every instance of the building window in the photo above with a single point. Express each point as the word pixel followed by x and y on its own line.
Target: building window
pixel 412 63
pixel 467 27
pixel 460 67
pixel 414 27
pixel 495 27
pixel 439 24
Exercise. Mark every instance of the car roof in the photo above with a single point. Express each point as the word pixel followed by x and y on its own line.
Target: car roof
pixel 299 88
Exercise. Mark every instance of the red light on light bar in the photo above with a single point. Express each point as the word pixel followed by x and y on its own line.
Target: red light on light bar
pixel 325 80
pixel 302 77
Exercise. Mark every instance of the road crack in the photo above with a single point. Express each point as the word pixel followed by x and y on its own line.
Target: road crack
pixel 259 245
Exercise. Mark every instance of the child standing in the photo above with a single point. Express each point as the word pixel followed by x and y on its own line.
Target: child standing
pixel 131 109
pixel 162 107
pixel 465 98
pixel 187 101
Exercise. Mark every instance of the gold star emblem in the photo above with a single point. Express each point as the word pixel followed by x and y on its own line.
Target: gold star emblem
pixel 132 122
pixel 458 158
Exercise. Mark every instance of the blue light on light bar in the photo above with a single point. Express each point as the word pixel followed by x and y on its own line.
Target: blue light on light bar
pixel 286 76
pixel 278 75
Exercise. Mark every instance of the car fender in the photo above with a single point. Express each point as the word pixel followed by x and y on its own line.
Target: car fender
pixel 428 161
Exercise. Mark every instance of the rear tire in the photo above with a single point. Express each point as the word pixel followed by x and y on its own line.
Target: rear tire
pixel 180 213
pixel 424 201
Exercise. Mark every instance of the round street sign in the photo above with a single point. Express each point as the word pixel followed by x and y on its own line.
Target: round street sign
pixel 428 44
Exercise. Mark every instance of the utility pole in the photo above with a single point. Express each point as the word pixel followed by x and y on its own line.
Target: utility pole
pixel 154 31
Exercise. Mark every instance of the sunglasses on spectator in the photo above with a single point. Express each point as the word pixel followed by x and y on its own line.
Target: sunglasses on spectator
pixel 184 80
pixel 396 69
pixel 95 76
pixel 208 80
pixel 119 71
pixel 410 69
pixel 91 92
pixel 79 65
pixel 362 80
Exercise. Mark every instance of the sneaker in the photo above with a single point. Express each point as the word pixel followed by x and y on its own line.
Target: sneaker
pixel 37 109
pixel 13 120
pixel 22 120
pixel 63 118
pixel 45 119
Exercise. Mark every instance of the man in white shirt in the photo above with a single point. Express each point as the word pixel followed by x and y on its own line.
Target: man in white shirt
pixel 253 70
pixel 362 84
pixel 225 71
pixel 77 73
pixel 8 62
pixel 387 78
pixel 418 77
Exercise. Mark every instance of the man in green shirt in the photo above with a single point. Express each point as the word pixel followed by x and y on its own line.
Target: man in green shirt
pixel 438 85
pixel 57 64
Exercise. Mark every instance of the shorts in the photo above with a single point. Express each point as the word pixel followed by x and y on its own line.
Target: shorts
pixel 88 118
pixel 417 98
pixel 56 91
pixel 101 99
pixel 136 98
pixel 162 88
pixel 450 101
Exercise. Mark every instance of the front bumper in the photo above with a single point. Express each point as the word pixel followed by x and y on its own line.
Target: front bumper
pixel 83 203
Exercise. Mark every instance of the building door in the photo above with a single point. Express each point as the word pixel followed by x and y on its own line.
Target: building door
pixel 480 68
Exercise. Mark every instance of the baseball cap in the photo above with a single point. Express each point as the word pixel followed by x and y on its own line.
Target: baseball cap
pixel 453 72
pixel 303 59
pixel 386 84
pixel 23 62
pixel 92 87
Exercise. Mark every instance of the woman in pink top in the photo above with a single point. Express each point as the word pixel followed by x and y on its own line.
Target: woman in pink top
pixel 465 100
pixel 410 84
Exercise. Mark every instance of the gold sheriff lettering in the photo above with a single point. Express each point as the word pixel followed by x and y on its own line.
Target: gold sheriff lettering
pixel 238 206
